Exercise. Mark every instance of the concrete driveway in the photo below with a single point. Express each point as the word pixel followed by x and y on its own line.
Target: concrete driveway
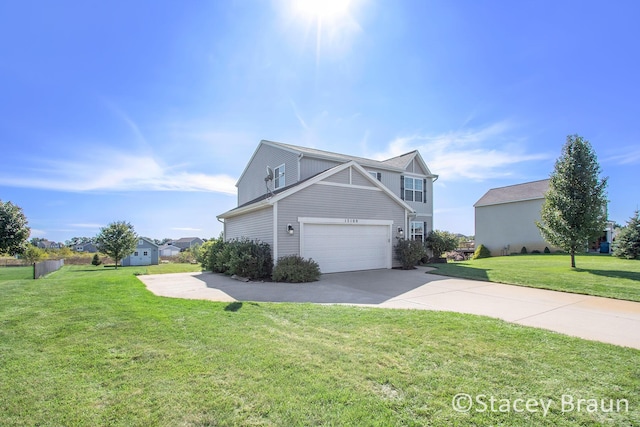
pixel 594 318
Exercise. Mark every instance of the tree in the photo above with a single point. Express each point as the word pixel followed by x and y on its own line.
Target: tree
pixel 628 240
pixel 96 260
pixel 33 254
pixel 574 210
pixel 117 240
pixel 441 241
pixel 14 230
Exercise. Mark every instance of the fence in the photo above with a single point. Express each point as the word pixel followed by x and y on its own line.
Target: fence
pixel 45 267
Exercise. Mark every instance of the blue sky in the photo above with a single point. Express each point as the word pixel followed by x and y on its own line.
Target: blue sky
pixel 148 111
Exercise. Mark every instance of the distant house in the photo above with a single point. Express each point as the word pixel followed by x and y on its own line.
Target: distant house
pixel 46 244
pixel 505 219
pixel 85 247
pixel 187 242
pixel 169 250
pixel 146 253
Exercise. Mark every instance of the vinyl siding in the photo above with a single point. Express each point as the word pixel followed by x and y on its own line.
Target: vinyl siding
pixel 414 167
pixel 310 166
pixel 252 225
pixel 358 179
pixel 326 201
pixel 340 177
pixel 509 225
pixel 252 184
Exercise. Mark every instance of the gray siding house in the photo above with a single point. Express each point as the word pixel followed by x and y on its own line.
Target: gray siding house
pixel 344 212
pixel 505 220
pixel 146 253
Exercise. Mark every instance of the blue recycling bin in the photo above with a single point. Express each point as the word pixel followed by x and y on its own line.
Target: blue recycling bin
pixel 604 247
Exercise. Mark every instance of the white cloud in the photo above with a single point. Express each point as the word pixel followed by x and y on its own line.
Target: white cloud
pixel 186 229
pixel 476 154
pixel 114 171
pixel 37 233
pixel 629 157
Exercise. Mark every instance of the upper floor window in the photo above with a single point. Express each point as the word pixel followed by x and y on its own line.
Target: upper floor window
pixel 376 175
pixel 278 177
pixel 413 189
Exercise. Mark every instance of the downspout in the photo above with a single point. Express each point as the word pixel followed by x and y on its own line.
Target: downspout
pixel 224 228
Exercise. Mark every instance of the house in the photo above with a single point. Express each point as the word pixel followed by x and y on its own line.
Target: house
pixel 342 211
pixel 85 247
pixel 46 244
pixel 187 242
pixel 505 219
pixel 146 253
pixel 169 250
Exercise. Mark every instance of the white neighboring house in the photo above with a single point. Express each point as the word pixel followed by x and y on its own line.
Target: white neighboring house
pixel 169 250
pixel 146 253
pixel 505 220
pixel 344 212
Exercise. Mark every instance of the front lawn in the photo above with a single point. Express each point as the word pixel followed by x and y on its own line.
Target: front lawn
pixel 91 346
pixel 600 275
pixel 16 273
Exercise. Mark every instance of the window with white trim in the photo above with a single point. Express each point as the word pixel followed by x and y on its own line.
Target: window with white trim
pixel 417 230
pixel 278 177
pixel 413 189
pixel 376 175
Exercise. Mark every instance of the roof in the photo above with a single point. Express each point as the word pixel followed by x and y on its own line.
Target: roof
pixel 397 164
pixel 267 200
pixel 514 193
pixel 186 239
pixel 164 247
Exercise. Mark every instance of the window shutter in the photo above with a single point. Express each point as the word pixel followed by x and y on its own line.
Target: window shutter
pixel 424 192
pixel 402 187
pixel 426 233
pixel 379 176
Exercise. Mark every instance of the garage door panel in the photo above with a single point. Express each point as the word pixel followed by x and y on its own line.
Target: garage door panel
pixel 337 247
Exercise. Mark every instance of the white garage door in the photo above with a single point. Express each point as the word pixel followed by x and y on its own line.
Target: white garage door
pixel 141 257
pixel 347 247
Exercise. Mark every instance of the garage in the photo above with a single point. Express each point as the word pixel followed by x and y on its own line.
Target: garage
pixel 349 245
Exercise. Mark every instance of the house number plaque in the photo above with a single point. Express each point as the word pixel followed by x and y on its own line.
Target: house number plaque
pixel 350 221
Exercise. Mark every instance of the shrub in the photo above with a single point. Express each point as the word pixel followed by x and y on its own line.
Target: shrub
pixel 243 257
pixel 33 254
pixel 295 269
pixel 440 242
pixel 523 251
pixel 547 250
pixel 96 260
pixel 409 252
pixel 481 252
pixel 535 251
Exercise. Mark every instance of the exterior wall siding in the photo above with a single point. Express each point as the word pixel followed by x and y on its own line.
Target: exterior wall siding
pixel 507 227
pixel 145 246
pixel 252 184
pixel 310 167
pixel 326 201
pixel 358 179
pixel 252 225
pixel 340 177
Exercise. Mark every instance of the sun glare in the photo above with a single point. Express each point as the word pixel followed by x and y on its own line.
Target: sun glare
pixel 323 10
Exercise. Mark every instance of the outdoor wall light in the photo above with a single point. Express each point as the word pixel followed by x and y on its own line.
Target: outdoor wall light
pixel 290 229
pixel 400 232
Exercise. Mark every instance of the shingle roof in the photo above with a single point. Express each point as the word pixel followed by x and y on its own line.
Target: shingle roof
pixel 514 193
pixel 393 163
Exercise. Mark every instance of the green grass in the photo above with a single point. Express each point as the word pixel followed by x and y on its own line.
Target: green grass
pixel 600 275
pixel 91 346
pixel 16 273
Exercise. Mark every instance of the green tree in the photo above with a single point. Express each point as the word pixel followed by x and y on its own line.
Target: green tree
pixel 628 240
pixel 117 240
pixel 574 210
pixel 441 241
pixel 96 260
pixel 33 254
pixel 14 230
